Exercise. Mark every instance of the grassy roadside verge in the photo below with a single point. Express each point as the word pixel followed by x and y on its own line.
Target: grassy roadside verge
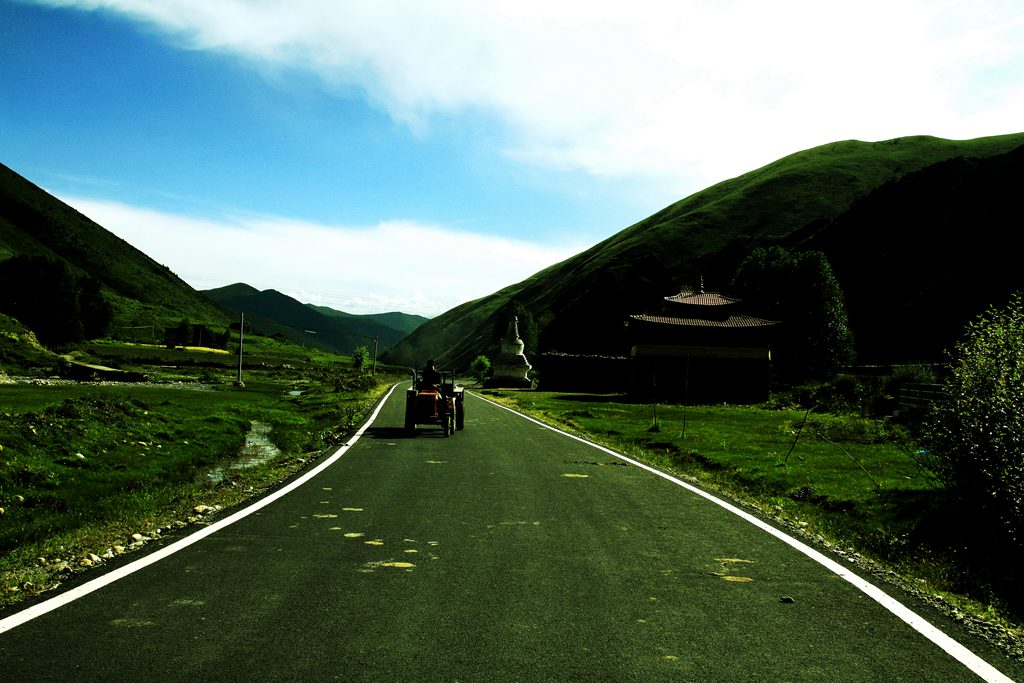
pixel 92 470
pixel 849 483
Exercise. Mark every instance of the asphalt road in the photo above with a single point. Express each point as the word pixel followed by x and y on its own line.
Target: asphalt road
pixel 505 552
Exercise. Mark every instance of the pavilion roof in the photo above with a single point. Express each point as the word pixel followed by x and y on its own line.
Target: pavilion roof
pixel 701 298
pixel 731 321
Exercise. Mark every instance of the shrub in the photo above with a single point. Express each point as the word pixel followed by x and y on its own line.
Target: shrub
pixel 916 373
pixel 359 358
pixel 479 368
pixel 977 436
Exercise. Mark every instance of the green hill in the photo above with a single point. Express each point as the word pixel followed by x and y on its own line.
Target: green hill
pixel 143 292
pixel 925 253
pixel 272 312
pixel 579 305
pixel 401 322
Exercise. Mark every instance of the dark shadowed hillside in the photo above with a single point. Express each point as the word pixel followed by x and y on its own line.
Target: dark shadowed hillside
pixel 925 253
pixel 143 292
pixel 579 304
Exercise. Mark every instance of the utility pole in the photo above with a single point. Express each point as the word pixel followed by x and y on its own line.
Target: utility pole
pixel 241 341
pixel 374 371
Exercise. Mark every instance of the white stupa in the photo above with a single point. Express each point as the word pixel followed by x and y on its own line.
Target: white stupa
pixel 510 368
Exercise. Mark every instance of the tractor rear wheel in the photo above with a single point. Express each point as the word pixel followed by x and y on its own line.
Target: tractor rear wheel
pixel 410 415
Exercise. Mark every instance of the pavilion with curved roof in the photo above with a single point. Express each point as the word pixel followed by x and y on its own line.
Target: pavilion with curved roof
pixel 700 348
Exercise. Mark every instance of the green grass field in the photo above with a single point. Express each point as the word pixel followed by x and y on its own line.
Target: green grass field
pixel 84 466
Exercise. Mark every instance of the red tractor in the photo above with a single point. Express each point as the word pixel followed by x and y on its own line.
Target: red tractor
pixel 436 404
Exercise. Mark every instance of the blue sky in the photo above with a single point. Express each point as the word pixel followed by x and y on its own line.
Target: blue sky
pixel 412 156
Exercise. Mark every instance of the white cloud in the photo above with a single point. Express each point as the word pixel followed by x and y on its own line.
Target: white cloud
pixel 393 266
pixel 679 92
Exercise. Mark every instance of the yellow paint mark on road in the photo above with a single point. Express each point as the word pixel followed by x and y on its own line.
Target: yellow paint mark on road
pixel 325 516
pixel 670 658
pixel 436 462
pixel 335 528
pixel 189 602
pixel 574 475
pixel 376 541
pixel 351 509
pixel 354 534
pixel 411 550
pixel 328 488
pixel 727 564
pixel 369 567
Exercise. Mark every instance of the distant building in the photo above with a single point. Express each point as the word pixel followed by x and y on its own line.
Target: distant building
pixel 701 349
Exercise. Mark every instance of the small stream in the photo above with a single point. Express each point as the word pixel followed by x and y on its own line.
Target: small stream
pixel 257 450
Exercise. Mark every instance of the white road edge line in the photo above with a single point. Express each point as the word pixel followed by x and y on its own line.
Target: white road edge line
pixel 84 589
pixel 953 648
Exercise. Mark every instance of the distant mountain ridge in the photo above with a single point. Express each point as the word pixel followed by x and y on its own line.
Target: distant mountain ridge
pixel 808 200
pixel 148 295
pixel 318 326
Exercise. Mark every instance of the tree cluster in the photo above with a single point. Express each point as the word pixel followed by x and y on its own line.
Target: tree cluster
pixel 186 333
pixel 61 306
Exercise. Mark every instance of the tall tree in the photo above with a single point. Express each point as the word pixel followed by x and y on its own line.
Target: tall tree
pixel 96 311
pixel 801 291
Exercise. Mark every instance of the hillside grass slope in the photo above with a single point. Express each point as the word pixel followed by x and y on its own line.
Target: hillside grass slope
pixel 579 305
pixel 142 291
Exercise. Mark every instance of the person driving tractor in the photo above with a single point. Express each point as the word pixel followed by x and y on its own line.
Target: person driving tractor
pixel 434 398
pixel 431 376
